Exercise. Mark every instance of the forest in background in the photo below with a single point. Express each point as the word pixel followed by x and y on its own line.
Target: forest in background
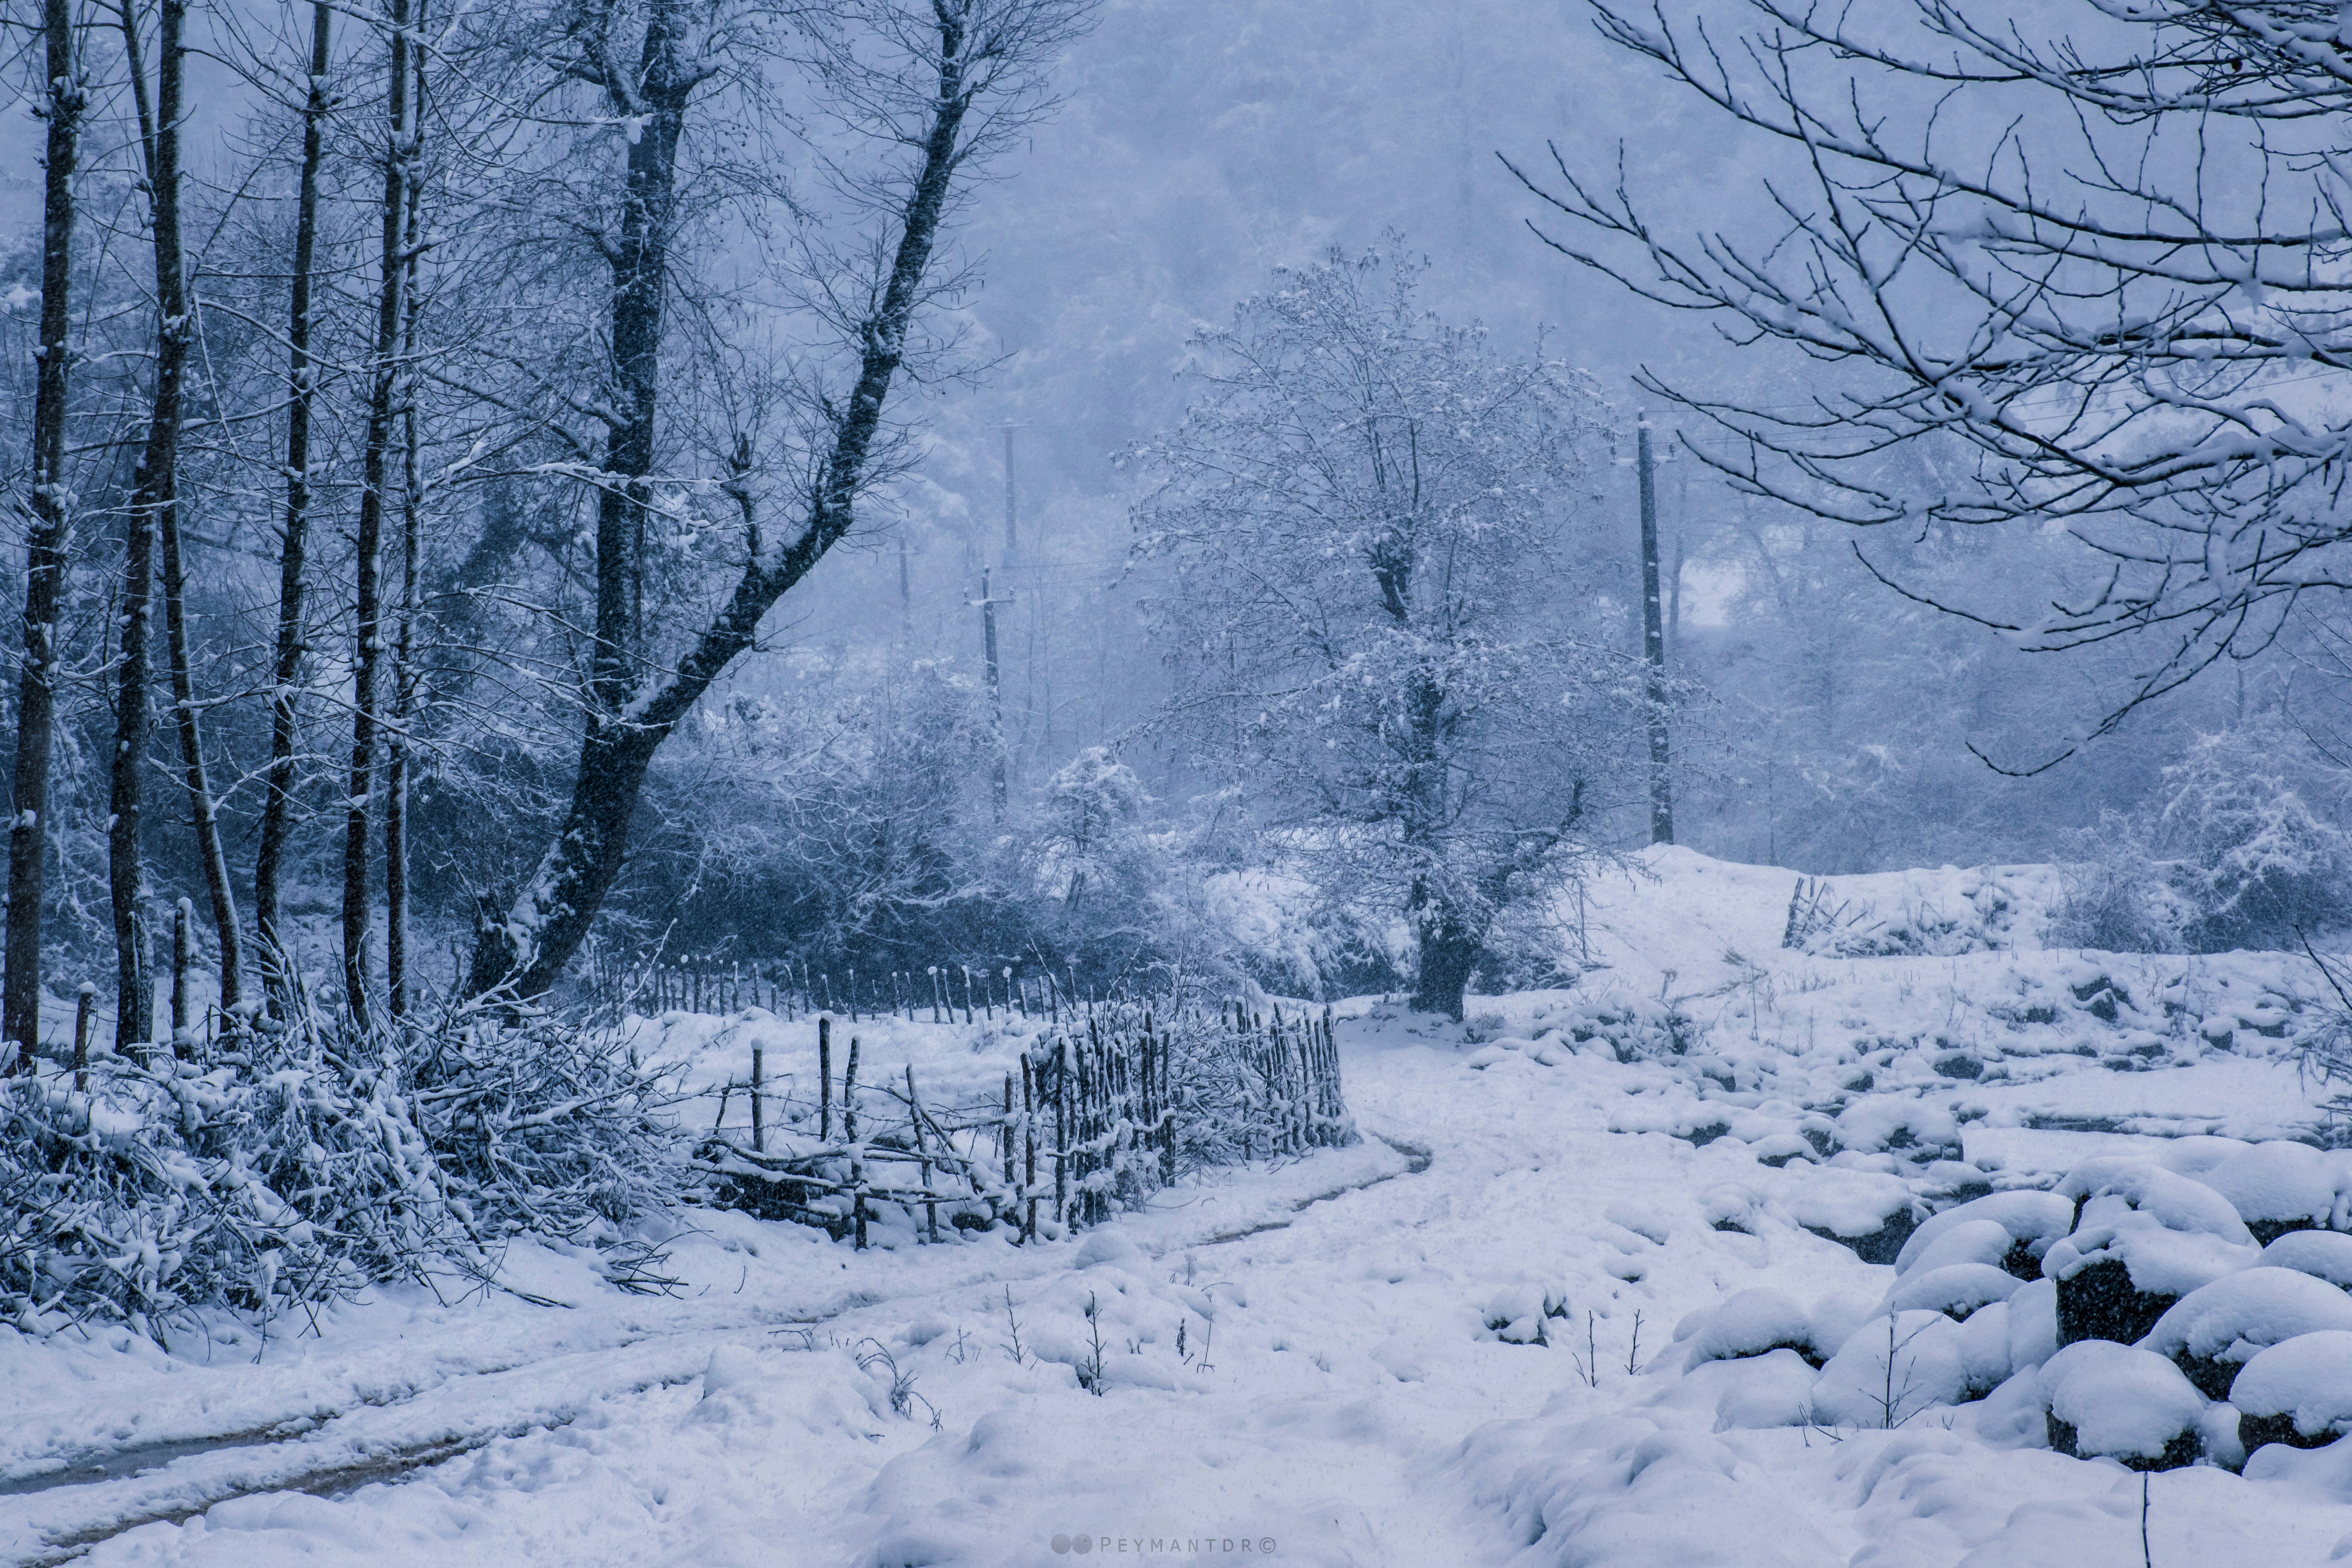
pixel 834 794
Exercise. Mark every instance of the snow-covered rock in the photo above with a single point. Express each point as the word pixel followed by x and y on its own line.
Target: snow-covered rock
pixel 2119 1402
pixel 2279 1186
pixel 2146 1237
pixel 2214 1331
pixel 2173 1201
pixel 2297 1391
pixel 1870 1211
pixel 2323 1254
pixel 2032 1319
pixel 1984 1241
pixel 1751 1323
pixel 2033 1218
pixel 1957 1289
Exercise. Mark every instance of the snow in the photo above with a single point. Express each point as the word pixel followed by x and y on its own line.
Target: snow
pixel 1529 1321
pixel 2308 1377
pixel 2032 1323
pixel 1846 1202
pixel 2123 1403
pixel 1984 1241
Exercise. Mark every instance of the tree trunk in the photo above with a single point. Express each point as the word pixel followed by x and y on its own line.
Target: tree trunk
pixel 1450 944
pixel 278 803
pixel 522 953
pixel 154 489
pixel 202 810
pixel 45 565
pixel 1654 646
pixel 367 652
pixel 404 666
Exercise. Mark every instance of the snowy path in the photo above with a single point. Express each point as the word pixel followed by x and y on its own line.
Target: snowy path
pixel 1349 1409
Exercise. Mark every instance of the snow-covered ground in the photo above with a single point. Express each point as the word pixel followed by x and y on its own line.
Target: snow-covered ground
pixel 1331 1361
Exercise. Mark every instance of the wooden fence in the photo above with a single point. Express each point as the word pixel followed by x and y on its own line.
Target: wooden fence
pixel 794 990
pixel 1100 1113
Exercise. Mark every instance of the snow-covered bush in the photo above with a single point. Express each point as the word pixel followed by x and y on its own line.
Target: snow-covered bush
pixel 2117 897
pixel 311 1159
pixel 2240 849
pixel 1635 1027
pixel 2255 861
pixel 1280 932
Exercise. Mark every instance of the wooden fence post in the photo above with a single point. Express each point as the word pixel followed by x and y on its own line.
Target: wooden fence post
pixel 1061 1129
pixel 915 1118
pixel 849 1126
pixel 824 1078
pixel 759 1120
pixel 1029 1137
pixel 183 917
pixel 85 1019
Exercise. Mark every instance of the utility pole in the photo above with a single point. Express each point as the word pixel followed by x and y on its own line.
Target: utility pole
pixel 906 588
pixel 1011 538
pixel 986 603
pixel 1654 641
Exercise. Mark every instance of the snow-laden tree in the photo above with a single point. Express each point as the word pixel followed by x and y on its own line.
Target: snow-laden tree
pixel 916 99
pixel 1389 646
pixel 2089 262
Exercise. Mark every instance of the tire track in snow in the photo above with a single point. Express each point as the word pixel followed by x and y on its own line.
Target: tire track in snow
pixel 99 1494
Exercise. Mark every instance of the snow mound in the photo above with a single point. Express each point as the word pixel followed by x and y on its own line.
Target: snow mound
pixel 1892 1369
pixel 1893 1122
pixel 1984 1241
pixel 2279 1182
pixel 2305 1383
pixel 2034 1218
pixel 2160 1262
pixel 2032 1320
pixel 1751 1323
pixel 2173 1201
pixel 2119 1402
pixel 1848 1204
pixel 2322 1254
pixel 1957 1289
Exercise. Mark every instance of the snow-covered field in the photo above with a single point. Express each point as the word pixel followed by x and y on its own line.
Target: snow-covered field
pixel 1513 1325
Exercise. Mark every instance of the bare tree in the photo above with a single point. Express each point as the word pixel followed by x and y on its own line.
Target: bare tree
pixel 2093 274
pixel 367 634
pixel 397 740
pixel 52 518
pixel 937 85
pixel 293 545
pixel 154 497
